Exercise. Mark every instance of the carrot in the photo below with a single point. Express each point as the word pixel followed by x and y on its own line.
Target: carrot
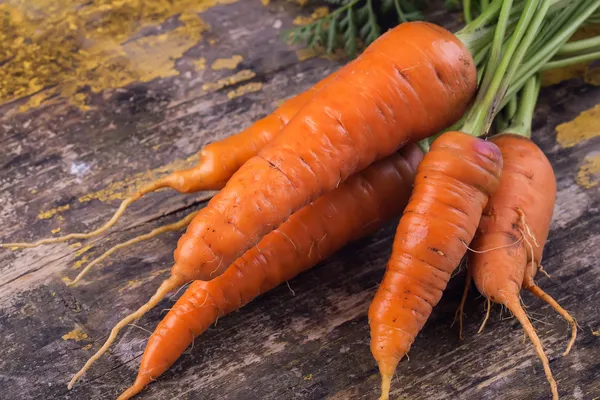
pixel 217 162
pixel 355 209
pixel 508 247
pixel 451 189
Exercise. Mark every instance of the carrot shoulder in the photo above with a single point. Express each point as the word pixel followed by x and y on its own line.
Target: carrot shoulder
pixel 451 189
pixel 351 211
pixel 410 83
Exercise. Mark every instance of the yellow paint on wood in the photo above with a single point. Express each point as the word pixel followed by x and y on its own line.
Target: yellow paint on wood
pixel 79 263
pixel 227 63
pixel 588 175
pixel 582 128
pixel 244 89
pixel 199 64
pixel 238 77
pixel 76 334
pixel 319 13
pixel 82 250
pixel 51 213
pixel 52 50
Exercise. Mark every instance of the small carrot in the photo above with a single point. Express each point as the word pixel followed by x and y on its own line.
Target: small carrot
pixel 356 208
pixel 451 189
pixel 515 224
pixel 217 162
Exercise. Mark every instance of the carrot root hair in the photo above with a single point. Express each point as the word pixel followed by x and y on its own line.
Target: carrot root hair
pixel 460 310
pixel 151 187
pixel 515 307
pixel 167 286
pixel 487 315
pixel 147 236
pixel 539 293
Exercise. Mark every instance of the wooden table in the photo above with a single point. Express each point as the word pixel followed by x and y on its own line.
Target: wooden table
pixel 138 99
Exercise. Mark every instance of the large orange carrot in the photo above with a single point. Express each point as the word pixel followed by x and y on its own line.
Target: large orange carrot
pixel 410 83
pixel 217 162
pixel 355 209
pixel 451 189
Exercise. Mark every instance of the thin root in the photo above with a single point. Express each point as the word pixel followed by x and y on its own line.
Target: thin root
pixel 487 315
pixel 167 286
pixel 155 232
pixel 539 293
pixel 493 248
pixel 289 287
pixel 460 309
pixel 151 187
pixel 519 313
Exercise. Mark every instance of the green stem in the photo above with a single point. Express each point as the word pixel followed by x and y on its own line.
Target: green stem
pixel 484 4
pixel 542 56
pixel 565 62
pixel 482 113
pixel 521 123
pixel 496 49
pixel 467 11
pixel 580 46
pixel 511 107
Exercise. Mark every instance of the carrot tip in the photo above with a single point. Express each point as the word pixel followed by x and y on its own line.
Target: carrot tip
pixel 386 383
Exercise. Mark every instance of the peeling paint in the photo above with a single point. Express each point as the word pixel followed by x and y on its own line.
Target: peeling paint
pixel 244 89
pixel 71 48
pixel 199 64
pixel 319 12
pixel 51 213
pixel 582 128
pixel 82 250
pixel 79 263
pixel 227 63
pixel 588 175
pixel 238 77
pixel 76 334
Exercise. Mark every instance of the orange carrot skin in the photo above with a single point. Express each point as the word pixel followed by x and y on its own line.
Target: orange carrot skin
pixel 527 184
pixel 219 160
pixel 349 212
pixel 527 187
pixel 410 83
pixel 451 189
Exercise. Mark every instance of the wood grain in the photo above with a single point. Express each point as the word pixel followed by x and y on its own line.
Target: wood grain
pixel 311 345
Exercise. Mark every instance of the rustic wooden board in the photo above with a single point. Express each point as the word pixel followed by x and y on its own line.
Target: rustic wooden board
pixel 309 344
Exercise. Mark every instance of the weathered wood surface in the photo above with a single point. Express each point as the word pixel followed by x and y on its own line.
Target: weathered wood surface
pixel 310 345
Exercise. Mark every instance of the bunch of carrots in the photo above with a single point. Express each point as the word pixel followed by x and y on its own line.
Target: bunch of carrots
pixel 322 171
